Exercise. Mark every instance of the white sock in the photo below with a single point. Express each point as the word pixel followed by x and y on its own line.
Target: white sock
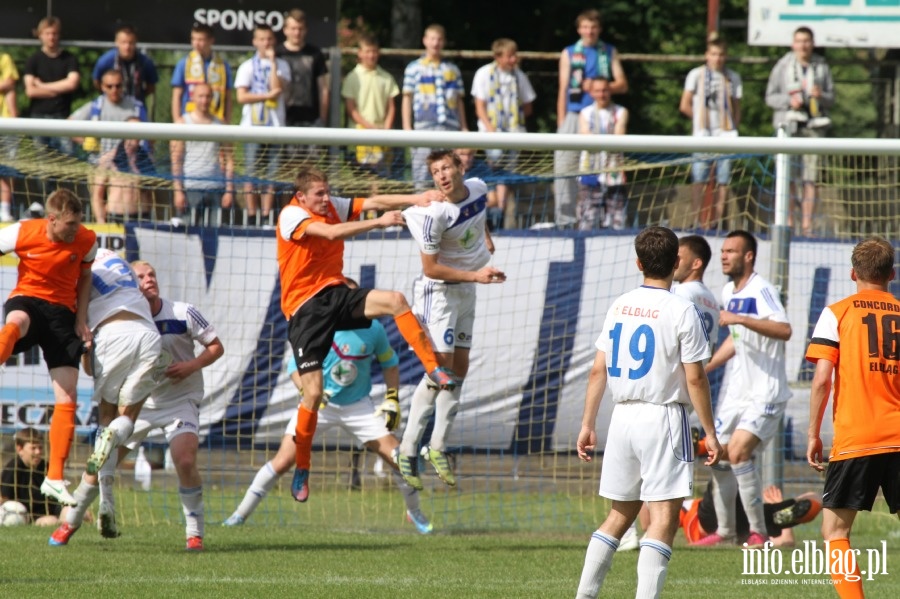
pixel 123 426
pixel 446 407
pixel 192 506
pixel 725 489
pixel 653 563
pixel 85 495
pixel 262 483
pixel 106 478
pixel 410 495
pixel 750 487
pixel 420 408
pixel 597 561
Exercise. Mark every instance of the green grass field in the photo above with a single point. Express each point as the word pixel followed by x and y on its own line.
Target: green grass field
pixel 320 554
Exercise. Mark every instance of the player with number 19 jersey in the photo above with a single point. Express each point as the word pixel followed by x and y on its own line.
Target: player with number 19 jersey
pixel 647 335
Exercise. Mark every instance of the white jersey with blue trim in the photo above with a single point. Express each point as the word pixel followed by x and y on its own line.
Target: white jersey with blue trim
pixel 647 335
pixel 453 230
pixel 180 324
pixel 114 289
pixel 759 373
pixel 700 295
pixel 347 368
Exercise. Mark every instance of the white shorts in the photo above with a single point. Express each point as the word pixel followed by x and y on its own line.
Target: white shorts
pixel 649 454
pixel 124 356
pixel 447 311
pixel 175 418
pixel 358 419
pixel 761 420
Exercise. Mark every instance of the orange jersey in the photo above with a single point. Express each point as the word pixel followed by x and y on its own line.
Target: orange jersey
pixel 48 270
pixel 309 264
pixel 861 336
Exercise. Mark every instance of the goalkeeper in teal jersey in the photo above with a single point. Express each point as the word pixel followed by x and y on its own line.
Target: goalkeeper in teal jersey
pixel 348 382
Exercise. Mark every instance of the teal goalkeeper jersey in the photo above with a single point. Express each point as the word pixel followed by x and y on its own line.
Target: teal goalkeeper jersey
pixel 347 369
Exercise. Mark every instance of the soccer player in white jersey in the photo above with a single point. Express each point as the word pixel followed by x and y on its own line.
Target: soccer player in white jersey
pixel 650 354
pixel 123 361
pixel 455 248
pixel 757 389
pixel 348 382
pixel 174 403
pixel 694 255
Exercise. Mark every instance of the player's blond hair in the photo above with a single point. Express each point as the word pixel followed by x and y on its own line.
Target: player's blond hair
pixel 306 177
pixel 63 201
pixel 873 260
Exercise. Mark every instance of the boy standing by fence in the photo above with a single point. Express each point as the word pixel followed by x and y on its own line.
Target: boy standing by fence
pixel 369 92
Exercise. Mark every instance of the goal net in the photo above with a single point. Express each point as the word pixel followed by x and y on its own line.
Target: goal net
pixel 514 437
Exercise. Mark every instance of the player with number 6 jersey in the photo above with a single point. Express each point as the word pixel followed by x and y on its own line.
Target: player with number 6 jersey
pixel 455 248
pixel 650 354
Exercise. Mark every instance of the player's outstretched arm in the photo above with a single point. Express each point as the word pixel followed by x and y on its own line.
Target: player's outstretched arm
pixel 350 229
pixel 698 391
pixel 818 400
pixel 587 438
pixel 723 353
pixel 441 272
pixel 763 326
pixel 392 201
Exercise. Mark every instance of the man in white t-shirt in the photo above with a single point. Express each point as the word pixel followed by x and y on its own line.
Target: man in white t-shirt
pixel 650 353
pixel 757 389
pixel 456 248
pixel 124 361
pixel 503 100
pixel 202 171
pixel 712 99
pixel 260 82
pixel 602 197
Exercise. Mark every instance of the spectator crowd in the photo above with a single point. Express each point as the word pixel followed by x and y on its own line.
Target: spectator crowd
pixel 286 84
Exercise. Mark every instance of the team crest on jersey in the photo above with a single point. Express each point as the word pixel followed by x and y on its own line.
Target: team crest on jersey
pixel 468 239
pixel 344 373
pixel 73 257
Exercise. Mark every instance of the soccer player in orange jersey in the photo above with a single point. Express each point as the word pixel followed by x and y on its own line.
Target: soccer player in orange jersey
pixel 317 302
pixel 48 308
pixel 857 340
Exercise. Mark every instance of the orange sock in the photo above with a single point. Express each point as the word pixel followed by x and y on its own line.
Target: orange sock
pixel 417 338
pixel 701 447
pixel 306 428
pixel 9 335
pixel 846 589
pixel 62 431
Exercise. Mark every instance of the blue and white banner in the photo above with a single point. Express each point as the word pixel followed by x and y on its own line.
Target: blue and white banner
pixel 533 341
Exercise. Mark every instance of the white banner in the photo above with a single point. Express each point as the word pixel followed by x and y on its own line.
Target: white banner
pixel 533 341
pixel 841 23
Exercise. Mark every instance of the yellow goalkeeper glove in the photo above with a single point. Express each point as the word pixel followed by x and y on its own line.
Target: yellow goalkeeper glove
pixel 390 409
